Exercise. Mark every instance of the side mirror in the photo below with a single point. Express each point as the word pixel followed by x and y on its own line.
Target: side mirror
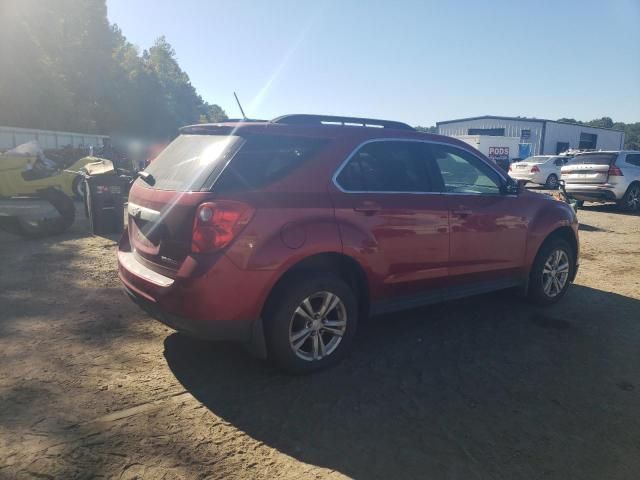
pixel 511 187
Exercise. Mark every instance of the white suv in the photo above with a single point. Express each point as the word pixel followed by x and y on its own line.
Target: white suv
pixel 540 169
pixel 605 177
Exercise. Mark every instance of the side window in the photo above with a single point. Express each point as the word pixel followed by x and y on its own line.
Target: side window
pixel 633 159
pixel 463 172
pixel 264 160
pixel 385 166
pixel 559 162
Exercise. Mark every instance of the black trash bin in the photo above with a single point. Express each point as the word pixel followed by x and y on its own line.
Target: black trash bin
pixel 105 198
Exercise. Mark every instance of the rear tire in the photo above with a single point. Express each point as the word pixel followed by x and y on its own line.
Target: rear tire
pixel 49 226
pixel 631 200
pixel 549 280
pixel 552 182
pixel 300 339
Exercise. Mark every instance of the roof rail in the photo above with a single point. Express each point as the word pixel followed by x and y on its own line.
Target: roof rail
pixel 304 119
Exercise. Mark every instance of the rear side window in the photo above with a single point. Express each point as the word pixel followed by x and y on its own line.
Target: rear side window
pixel 595 159
pixel 189 160
pixel 385 166
pixel 263 160
pixel 633 159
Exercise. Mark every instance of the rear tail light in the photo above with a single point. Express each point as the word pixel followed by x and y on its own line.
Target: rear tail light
pixel 535 169
pixel 511 168
pixel 615 171
pixel 218 223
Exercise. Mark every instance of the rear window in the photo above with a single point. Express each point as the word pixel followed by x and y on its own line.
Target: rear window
pixel 594 159
pixel 264 160
pixel 536 159
pixel 189 160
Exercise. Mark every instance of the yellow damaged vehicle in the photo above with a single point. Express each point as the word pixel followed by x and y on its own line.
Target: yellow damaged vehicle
pixel 35 193
pixel 26 175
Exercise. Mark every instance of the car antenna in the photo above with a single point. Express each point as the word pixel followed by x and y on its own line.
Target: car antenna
pixel 244 117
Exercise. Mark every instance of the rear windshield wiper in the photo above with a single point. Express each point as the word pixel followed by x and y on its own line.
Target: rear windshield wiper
pixel 147 177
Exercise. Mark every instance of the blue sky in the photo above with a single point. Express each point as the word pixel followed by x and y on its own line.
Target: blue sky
pixel 414 61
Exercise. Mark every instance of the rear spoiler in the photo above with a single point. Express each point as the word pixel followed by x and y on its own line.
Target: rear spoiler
pixel 215 128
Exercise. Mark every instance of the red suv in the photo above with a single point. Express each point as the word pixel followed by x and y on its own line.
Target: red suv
pixel 284 234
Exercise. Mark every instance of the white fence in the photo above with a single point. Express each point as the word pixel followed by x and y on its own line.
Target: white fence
pixel 11 137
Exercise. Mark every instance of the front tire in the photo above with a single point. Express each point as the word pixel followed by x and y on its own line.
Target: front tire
pixel 310 322
pixel 631 200
pixel 552 271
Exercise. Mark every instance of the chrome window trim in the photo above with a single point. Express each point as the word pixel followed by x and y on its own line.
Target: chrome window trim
pixel 344 163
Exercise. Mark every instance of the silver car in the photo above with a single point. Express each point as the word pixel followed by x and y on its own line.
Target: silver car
pixel 605 177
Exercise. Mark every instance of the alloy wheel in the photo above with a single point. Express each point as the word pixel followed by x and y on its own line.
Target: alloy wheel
pixel 555 273
pixel 317 326
pixel 633 198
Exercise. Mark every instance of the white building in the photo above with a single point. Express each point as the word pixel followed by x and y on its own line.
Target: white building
pixel 537 136
pixel 11 137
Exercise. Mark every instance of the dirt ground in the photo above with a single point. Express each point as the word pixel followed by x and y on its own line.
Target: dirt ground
pixel 487 387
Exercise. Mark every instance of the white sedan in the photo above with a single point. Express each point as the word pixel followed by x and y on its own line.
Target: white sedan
pixel 540 169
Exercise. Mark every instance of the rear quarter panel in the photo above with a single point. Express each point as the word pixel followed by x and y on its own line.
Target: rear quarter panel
pixel 286 228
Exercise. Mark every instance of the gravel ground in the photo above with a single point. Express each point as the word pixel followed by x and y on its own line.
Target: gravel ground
pixel 486 387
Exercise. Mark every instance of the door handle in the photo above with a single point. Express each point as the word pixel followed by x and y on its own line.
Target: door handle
pixel 367 208
pixel 462 212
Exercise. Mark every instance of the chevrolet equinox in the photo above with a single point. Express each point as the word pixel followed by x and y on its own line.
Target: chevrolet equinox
pixel 284 234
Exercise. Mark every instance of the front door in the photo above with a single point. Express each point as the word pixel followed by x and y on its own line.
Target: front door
pixel 488 234
pixel 392 218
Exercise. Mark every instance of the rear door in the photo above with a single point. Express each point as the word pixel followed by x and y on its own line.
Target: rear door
pixel 589 168
pixel 392 218
pixel 488 228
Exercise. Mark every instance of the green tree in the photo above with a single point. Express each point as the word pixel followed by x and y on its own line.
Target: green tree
pixel 569 120
pixel 604 122
pixel 63 67
pixel 426 129
pixel 214 113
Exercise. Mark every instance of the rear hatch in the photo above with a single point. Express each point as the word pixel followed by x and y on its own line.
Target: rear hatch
pixel 161 210
pixel 589 168
pixel 200 192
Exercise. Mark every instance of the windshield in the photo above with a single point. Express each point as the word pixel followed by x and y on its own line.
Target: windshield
pixel 189 160
pixel 595 159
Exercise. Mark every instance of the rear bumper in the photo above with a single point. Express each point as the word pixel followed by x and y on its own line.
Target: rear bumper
pixel 217 301
pixel 592 193
pixel 229 330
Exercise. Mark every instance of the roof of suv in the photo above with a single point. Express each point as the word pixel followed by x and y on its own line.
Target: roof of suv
pixel 595 152
pixel 326 126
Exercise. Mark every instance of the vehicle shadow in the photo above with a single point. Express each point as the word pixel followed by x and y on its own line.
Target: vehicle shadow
pixel 585 227
pixel 79 229
pixel 606 208
pixel 482 387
